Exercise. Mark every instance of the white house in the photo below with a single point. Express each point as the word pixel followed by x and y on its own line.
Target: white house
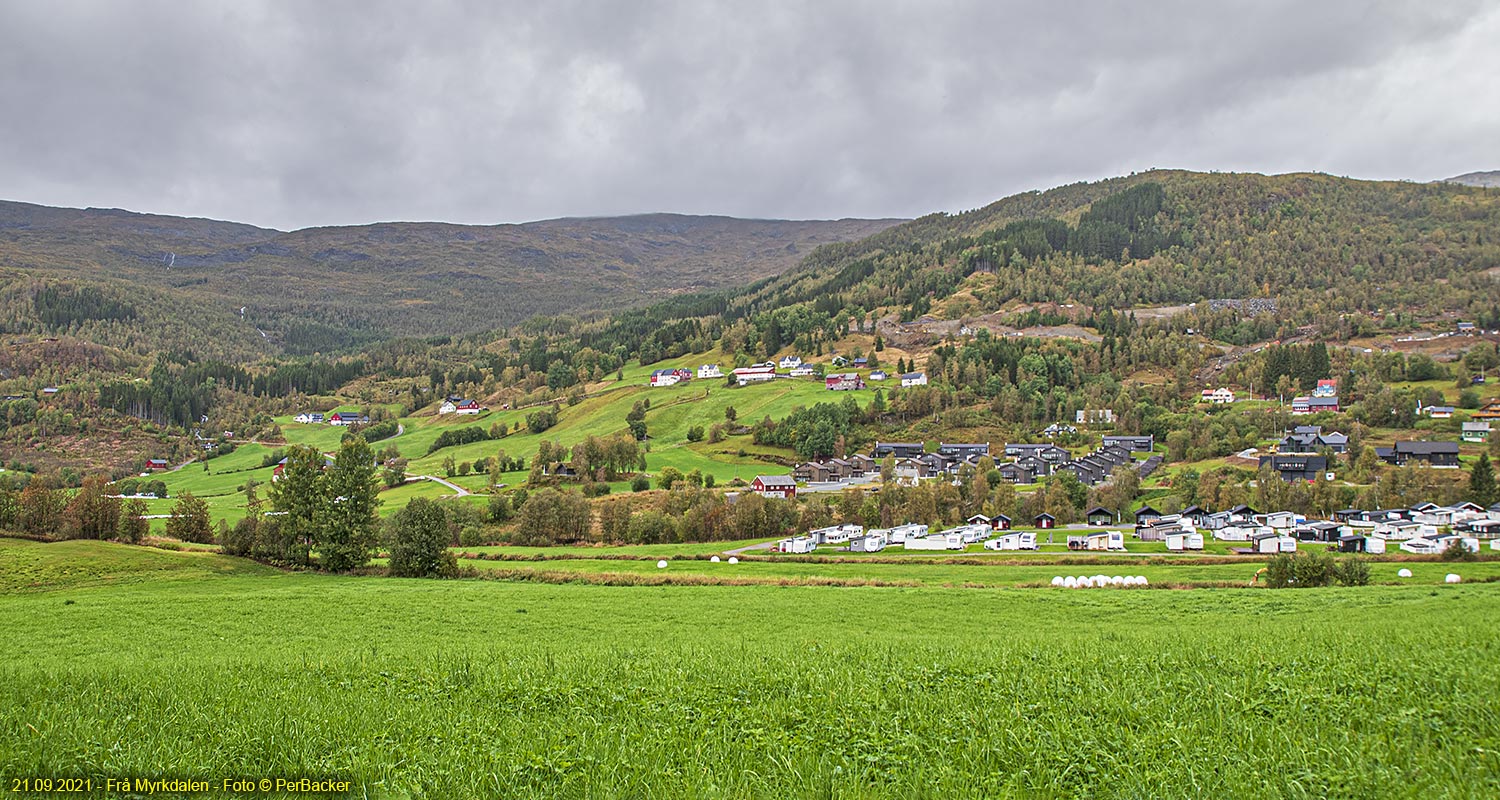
pixel 308 419
pixel 900 533
pixel 1219 396
pixel 1104 540
pixel 791 362
pixel 836 534
pixel 1265 542
pixel 914 379
pixel 937 541
pixel 1437 543
pixel 796 544
pixel 755 374
pixel 1179 540
pixel 1286 544
pixel 448 407
pixel 710 371
pixel 1012 540
pixel 801 372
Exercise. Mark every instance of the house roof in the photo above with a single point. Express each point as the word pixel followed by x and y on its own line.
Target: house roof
pixel 1098 510
pixel 775 480
pixel 1427 448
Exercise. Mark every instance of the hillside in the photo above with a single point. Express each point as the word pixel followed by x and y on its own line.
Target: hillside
pixel 161 281
pixel 1490 179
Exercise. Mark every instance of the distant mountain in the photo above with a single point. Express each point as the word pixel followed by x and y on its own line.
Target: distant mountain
pixel 1489 179
pixel 327 289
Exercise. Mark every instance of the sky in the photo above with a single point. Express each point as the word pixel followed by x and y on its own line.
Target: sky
pixel 297 114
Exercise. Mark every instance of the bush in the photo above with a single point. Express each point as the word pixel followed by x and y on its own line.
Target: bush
pixel 500 508
pixel 640 483
pixel 1300 570
pixel 695 433
pixel 419 546
pixel 471 537
pixel 1352 571
pixel 539 421
pixel 595 489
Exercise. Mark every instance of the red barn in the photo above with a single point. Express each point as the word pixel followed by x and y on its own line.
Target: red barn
pixel 774 486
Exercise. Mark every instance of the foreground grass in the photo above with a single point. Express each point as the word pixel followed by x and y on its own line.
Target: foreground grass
pixel 484 689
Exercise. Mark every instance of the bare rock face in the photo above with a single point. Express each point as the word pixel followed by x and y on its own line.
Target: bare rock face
pixel 1488 180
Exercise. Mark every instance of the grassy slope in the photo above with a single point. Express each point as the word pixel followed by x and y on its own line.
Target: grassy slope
pixel 491 689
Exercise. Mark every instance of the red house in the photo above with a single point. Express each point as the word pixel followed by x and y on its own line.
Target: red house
pixel 1045 520
pixel 156 463
pixel 774 486
pixel 844 382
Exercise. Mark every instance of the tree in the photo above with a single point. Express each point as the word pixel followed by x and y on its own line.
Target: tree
pixel 92 513
pixel 668 477
pixel 695 433
pixel 450 469
pixel 346 533
pixel 395 471
pixel 730 414
pixel 41 509
pixel 500 508
pixel 189 521
pixel 1482 488
pixel 419 541
pixel 300 494
pixel 553 516
pixel 133 523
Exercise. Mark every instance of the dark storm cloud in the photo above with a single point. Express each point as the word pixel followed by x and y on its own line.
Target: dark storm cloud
pixel 293 114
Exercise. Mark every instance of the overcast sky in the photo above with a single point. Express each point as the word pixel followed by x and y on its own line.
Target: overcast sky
pixel 294 114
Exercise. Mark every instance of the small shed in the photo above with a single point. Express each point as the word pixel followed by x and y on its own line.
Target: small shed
pixel 1045 521
pixel 1099 515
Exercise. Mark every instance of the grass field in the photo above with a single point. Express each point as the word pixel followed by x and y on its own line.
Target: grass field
pixel 190 665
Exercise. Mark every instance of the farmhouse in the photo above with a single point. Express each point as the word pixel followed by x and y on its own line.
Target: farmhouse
pixel 156 463
pixel 346 418
pixel 790 362
pixel 1219 396
pixel 879 375
pixel 469 408
pixel 861 362
pixel 843 382
pixel 774 486
pixel 1312 405
pixel 1436 454
pixel 670 377
pixel 756 374
pixel 914 379
pixel 710 371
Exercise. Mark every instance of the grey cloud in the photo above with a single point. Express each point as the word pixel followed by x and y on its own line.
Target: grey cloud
pixel 294 114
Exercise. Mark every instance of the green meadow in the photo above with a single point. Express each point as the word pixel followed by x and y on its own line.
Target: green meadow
pixel 128 661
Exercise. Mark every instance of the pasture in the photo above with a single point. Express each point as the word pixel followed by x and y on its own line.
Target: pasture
pixel 175 664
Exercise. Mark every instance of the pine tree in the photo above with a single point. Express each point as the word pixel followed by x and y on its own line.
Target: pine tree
pixel 1482 482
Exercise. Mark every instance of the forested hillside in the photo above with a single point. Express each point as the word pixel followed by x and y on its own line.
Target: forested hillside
pixel 142 282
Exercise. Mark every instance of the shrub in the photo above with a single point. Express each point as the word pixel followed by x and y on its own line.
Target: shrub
pixel 419 546
pixel 640 483
pixel 471 536
pixel 597 489
pixel 1352 571
pixel 1300 570
pixel 695 433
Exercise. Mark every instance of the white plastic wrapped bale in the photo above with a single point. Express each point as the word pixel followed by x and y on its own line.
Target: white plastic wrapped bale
pixel 1403 573
pixel 1058 581
pixel 662 564
pixel 1452 578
